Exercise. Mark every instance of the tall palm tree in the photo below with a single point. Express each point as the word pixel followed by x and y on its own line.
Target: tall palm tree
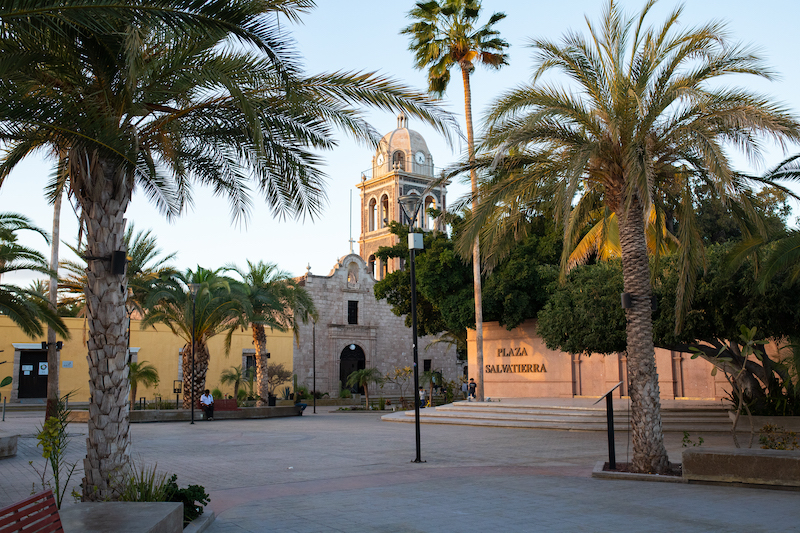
pixel 141 373
pixel 445 35
pixel 643 112
pixel 153 94
pixel 270 299
pixel 212 309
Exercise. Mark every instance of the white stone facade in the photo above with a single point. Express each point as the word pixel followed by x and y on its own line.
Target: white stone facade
pixel 382 336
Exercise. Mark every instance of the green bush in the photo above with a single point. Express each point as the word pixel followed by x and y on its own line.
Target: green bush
pixel 193 498
pixel 216 394
pixel 147 485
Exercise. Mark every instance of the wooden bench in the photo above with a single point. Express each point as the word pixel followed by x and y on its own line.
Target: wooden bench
pixel 37 514
pixel 222 405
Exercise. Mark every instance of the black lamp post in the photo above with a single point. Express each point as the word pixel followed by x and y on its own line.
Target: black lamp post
pixel 193 288
pixel 314 363
pixel 410 205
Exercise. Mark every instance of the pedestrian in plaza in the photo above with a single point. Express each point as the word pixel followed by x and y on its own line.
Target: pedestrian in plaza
pixel 421 397
pixel 207 402
pixel 464 389
pixel 473 387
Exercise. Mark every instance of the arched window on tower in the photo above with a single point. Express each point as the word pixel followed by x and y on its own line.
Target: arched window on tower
pixel 428 221
pixel 373 214
pixel 399 160
pixel 384 269
pixel 384 211
pixel 371 265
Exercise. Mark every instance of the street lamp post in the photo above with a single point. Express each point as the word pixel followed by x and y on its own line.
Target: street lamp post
pixel 193 288
pixel 314 363
pixel 410 205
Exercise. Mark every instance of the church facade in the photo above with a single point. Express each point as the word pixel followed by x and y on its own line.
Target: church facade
pixel 354 329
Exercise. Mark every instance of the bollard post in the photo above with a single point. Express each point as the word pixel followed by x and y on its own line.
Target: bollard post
pixel 4 408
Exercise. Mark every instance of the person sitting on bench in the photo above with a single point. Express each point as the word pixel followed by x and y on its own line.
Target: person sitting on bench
pixel 207 401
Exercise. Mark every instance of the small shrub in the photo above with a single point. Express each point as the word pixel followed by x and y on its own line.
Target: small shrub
pixel 381 403
pixel 193 497
pixel 345 393
pixel 777 438
pixel 686 442
pixel 216 394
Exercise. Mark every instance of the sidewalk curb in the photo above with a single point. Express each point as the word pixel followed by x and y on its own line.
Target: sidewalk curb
pixel 201 523
pixel 599 473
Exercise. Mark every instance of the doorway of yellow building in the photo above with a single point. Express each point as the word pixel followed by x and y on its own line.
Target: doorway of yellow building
pixel 33 373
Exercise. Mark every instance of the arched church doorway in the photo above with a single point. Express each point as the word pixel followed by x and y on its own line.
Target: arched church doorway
pixel 352 359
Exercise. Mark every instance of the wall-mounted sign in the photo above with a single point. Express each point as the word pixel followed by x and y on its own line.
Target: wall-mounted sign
pixel 43 368
pixel 66 364
pixel 514 369
pixel 27 367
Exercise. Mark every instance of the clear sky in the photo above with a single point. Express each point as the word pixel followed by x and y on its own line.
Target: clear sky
pixel 363 35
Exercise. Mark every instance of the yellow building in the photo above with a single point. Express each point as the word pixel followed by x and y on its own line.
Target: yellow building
pixel 26 362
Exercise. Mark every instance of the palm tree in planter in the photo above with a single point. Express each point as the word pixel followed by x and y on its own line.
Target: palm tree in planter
pixel 446 34
pixel 141 373
pixel 363 378
pixel 232 376
pixel 270 299
pixel 644 113
pixel 211 308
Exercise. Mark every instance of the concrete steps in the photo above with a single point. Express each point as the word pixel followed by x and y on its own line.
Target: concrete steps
pixel 695 417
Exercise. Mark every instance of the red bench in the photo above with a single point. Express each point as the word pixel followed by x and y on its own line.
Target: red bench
pixel 222 405
pixel 37 514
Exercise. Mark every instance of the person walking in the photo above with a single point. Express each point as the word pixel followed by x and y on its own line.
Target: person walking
pixel 472 387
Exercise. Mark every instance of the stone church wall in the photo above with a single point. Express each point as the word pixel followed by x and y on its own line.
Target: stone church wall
pixel 383 336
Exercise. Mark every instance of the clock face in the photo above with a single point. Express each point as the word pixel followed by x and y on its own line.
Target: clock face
pixel 380 159
pixel 420 157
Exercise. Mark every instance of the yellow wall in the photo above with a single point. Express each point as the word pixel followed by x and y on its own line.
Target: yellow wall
pixel 158 347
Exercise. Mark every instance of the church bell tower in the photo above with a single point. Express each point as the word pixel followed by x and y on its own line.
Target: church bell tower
pixel 401 165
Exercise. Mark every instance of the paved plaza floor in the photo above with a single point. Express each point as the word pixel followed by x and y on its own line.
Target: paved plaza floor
pixel 350 472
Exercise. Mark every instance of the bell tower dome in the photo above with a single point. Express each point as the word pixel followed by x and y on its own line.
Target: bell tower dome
pixel 401 165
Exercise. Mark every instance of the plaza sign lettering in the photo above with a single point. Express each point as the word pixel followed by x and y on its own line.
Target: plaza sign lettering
pixel 512 352
pixel 514 369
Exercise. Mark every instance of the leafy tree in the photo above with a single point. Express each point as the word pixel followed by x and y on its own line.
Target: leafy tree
pixel 154 94
pixel 363 378
pixel 585 316
pixel 278 375
pixel 270 298
pixel 643 114
pixel 446 34
pixel 141 373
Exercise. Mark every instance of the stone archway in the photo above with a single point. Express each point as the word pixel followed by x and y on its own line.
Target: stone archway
pixel 352 359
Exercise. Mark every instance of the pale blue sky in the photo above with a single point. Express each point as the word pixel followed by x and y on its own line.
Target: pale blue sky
pixel 364 35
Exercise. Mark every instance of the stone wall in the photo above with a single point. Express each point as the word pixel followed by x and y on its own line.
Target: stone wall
pixel 383 336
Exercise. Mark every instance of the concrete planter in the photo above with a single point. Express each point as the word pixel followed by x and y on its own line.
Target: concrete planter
pixel 750 466
pixel 789 423
pixel 8 444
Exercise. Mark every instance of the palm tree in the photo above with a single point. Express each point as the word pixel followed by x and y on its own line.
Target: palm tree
pixel 232 375
pixel 212 309
pixel 445 35
pixel 27 308
pixel 641 116
pixel 362 378
pixel 153 94
pixel 271 299
pixel 141 373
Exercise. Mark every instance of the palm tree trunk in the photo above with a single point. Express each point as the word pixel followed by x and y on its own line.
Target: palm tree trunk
pixel 201 357
pixel 476 248
pixel 52 286
pixel 104 195
pixel 649 454
pixel 262 379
